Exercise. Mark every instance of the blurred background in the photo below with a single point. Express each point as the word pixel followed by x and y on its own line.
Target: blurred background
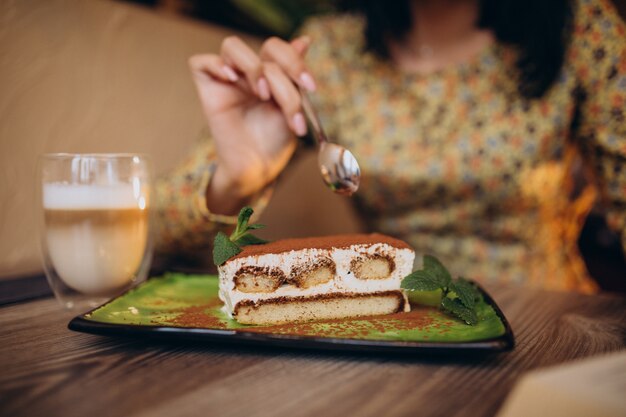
pixel 601 247
pixel 258 17
pixel 112 76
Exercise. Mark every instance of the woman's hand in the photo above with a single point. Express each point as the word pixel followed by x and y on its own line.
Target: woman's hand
pixel 254 112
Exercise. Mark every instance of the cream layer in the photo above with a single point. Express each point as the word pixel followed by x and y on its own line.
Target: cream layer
pixel 344 281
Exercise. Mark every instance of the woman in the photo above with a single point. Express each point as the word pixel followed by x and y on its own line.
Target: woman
pixel 473 123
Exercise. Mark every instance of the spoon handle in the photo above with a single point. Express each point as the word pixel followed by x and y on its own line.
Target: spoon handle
pixel 314 120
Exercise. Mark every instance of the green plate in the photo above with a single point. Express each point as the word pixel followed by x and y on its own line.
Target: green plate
pixel 187 307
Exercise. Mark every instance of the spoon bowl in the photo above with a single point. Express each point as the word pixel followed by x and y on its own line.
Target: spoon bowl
pixel 339 168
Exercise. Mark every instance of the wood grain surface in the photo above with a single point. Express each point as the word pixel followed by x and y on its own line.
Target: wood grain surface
pixel 49 370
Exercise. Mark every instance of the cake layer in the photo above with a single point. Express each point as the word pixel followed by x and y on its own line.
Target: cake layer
pixel 346 264
pixel 321 307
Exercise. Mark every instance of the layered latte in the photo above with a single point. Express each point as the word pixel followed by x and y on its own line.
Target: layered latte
pixel 96 235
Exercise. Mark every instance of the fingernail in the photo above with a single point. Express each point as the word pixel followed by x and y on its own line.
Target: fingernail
pixel 230 73
pixel 263 88
pixel 299 124
pixel 307 81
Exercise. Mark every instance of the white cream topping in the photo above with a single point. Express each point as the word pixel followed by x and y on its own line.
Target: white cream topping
pixel 344 281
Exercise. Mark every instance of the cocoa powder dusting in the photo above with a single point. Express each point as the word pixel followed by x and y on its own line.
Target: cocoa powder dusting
pixel 320 242
pixel 199 317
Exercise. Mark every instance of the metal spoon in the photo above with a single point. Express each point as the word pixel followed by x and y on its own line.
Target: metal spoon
pixel 338 166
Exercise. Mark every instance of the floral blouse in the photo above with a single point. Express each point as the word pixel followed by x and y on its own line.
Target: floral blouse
pixel 456 162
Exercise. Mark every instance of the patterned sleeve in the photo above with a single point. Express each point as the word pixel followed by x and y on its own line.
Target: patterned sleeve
pixel 183 221
pixel 598 53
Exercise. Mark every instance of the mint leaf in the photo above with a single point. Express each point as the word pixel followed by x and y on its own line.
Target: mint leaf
pixel 456 308
pixel 243 226
pixel 458 297
pixel 421 280
pixel 435 267
pixel 248 239
pixel 466 292
pixel 223 249
pixel 242 221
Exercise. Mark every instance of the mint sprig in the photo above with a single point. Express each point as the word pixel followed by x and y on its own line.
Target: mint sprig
pixel 456 308
pixel 225 247
pixel 459 296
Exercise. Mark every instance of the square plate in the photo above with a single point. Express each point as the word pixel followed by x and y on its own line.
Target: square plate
pixel 179 306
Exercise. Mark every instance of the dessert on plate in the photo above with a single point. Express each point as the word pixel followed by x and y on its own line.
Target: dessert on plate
pixel 330 277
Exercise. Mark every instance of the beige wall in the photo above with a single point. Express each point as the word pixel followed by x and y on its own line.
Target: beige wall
pixel 101 76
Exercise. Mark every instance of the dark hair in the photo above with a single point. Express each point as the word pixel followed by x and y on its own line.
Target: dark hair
pixel 539 29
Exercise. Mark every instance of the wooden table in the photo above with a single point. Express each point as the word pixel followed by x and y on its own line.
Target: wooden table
pixel 45 369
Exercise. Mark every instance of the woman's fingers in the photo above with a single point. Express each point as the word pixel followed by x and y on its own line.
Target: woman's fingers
pixel 273 73
pixel 242 58
pixel 286 96
pixel 289 57
pixel 301 44
pixel 212 65
pixel 239 57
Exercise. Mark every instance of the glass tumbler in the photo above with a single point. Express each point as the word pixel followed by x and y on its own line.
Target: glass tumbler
pixel 95 225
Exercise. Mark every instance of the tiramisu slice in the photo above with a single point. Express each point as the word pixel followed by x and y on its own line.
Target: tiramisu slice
pixel 296 280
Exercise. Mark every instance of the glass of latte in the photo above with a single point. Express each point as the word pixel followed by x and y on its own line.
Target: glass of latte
pixel 95 229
